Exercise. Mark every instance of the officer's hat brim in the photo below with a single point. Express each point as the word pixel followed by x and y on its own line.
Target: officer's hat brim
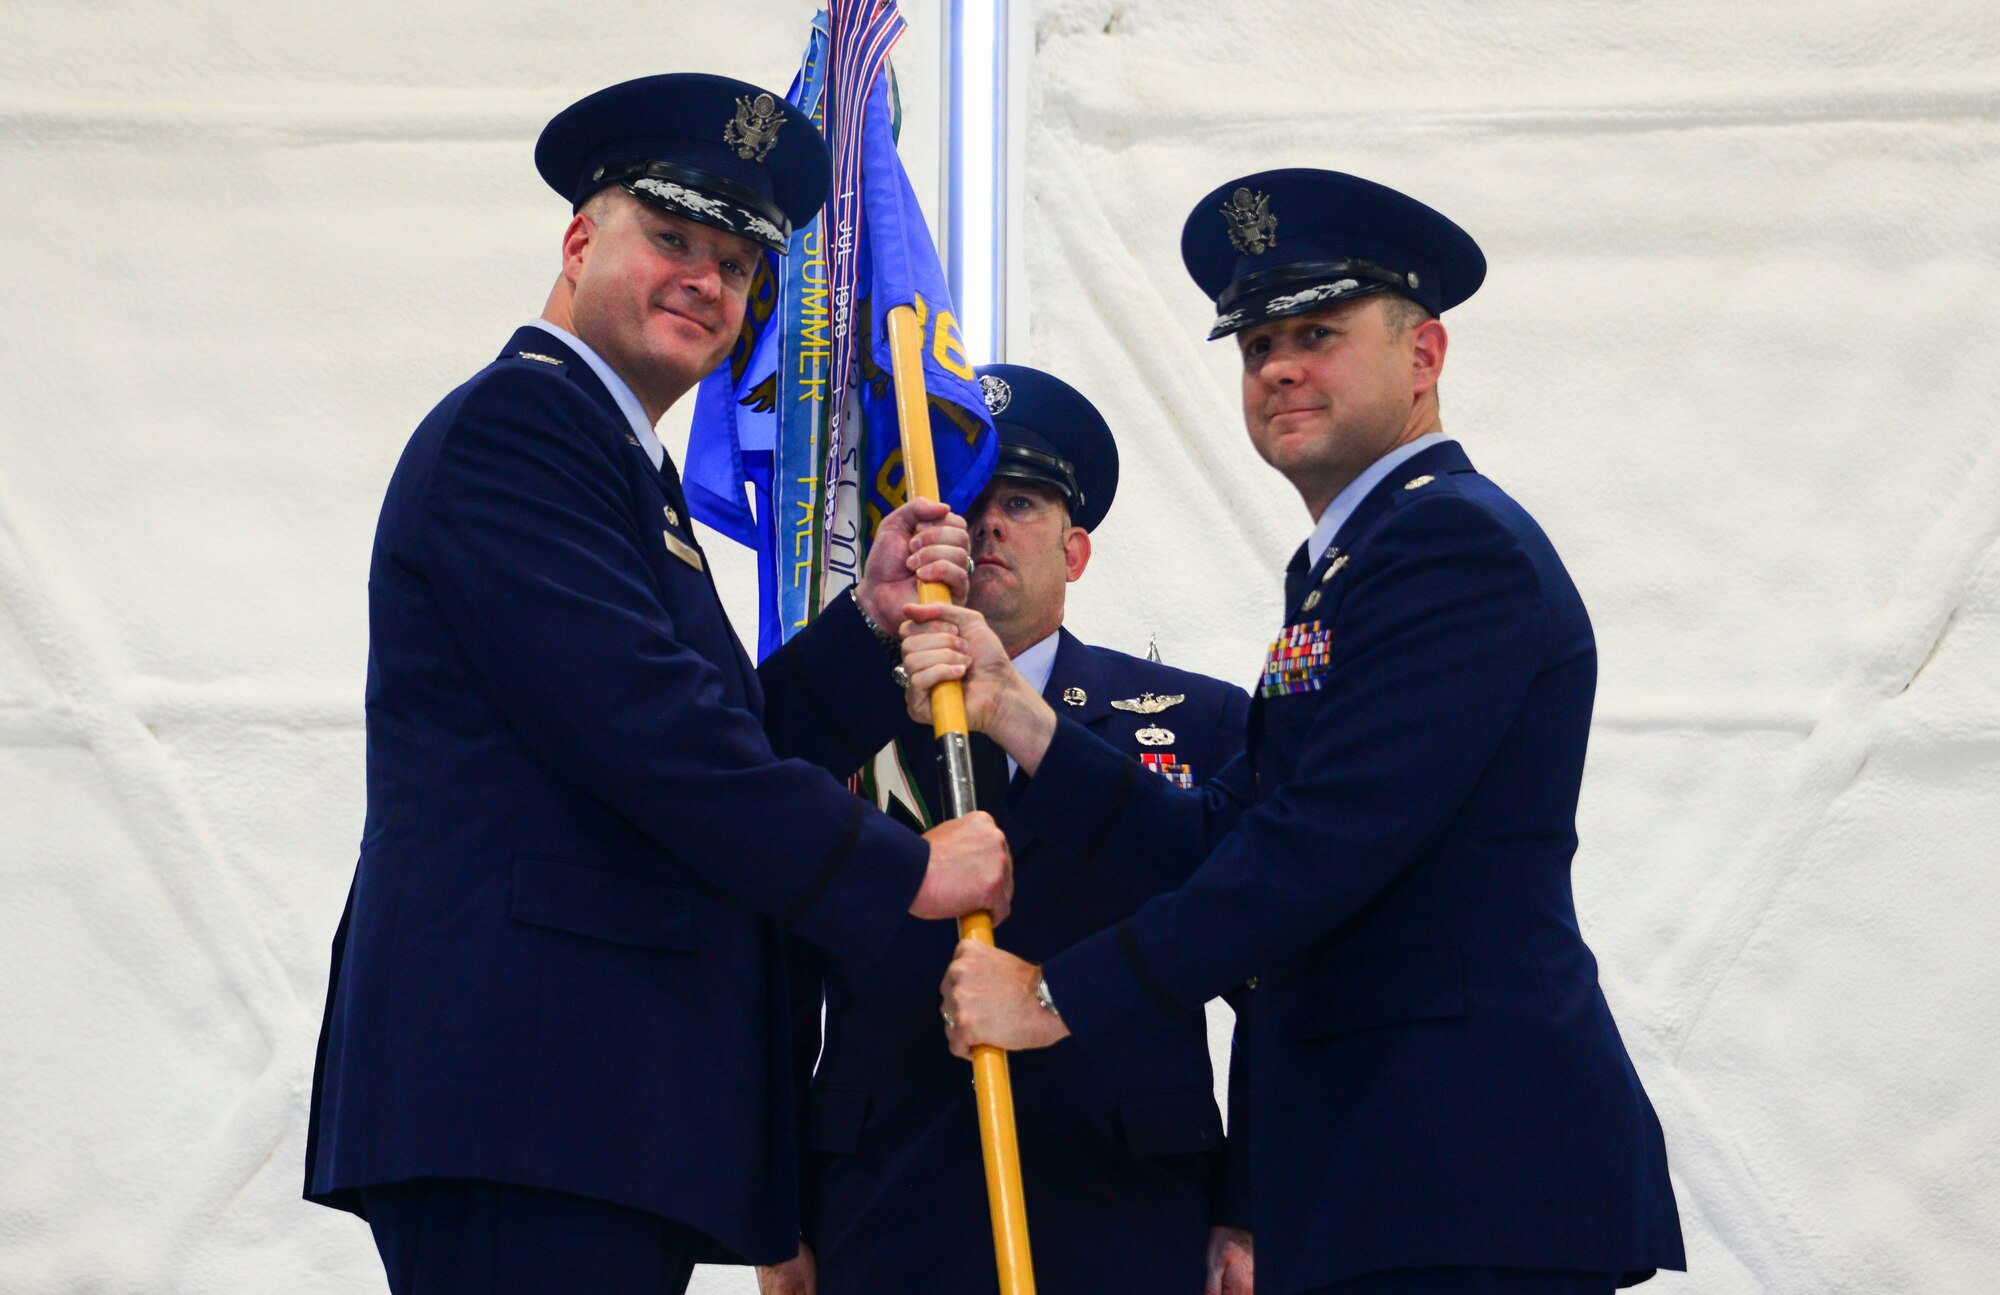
pixel 710 149
pixel 1289 242
pixel 1051 434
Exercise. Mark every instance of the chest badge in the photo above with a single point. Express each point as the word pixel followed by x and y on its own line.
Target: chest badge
pixel 1333 567
pixel 1151 736
pixel 673 518
pixel 1074 697
pixel 1312 601
pixel 1147 704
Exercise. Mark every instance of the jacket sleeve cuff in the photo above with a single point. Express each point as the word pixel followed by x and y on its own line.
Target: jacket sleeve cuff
pixel 1106 993
pixel 830 694
pixel 856 902
pixel 1079 792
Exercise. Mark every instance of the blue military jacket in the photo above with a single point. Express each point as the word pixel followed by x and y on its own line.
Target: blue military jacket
pixel 1120 1152
pixel 588 819
pixel 1435 1078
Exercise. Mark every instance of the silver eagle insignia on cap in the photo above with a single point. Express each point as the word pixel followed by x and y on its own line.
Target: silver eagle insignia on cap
pixel 753 132
pixel 998 394
pixel 1148 704
pixel 1252 227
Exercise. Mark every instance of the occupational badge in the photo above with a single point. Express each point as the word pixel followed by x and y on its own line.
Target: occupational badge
pixel 1252 228
pixel 1333 568
pixel 1312 601
pixel 1163 763
pixel 673 518
pixel 1151 736
pixel 1074 696
pixel 753 132
pixel 998 394
pixel 1147 704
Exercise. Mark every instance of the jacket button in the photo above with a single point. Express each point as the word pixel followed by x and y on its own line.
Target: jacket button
pixel 1250 983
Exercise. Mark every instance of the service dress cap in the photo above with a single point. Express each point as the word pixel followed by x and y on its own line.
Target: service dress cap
pixel 706 148
pixel 1287 242
pixel 1051 434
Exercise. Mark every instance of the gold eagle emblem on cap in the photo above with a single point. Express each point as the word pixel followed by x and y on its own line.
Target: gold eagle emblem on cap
pixel 1148 704
pixel 1252 227
pixel 753 132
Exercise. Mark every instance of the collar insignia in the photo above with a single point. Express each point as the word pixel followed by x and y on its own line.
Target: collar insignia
pixel 754 130
pixel 1252 227
pixel 998 394
pixel 1148 704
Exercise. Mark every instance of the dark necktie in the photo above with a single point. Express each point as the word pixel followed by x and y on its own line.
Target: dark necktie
pixel 670 477
pixel 989 774
pixel 1296 572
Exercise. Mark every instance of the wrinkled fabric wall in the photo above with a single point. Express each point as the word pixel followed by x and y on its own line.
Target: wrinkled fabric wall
pixel 1736 352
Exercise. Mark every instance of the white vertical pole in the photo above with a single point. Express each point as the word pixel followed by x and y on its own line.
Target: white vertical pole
pixel 976 147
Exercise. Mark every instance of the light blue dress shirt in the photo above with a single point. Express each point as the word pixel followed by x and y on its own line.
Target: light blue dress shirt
pixel 1348 500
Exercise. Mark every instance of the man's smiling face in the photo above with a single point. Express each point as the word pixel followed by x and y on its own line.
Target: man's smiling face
pixel 659 297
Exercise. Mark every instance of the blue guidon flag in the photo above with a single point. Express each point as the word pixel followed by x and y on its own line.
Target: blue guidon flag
pixel 795 448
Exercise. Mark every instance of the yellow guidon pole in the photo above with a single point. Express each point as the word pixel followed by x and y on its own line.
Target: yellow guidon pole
pixel 993 1090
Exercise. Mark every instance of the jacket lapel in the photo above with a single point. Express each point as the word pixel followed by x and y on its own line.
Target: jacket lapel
pixel 1438 460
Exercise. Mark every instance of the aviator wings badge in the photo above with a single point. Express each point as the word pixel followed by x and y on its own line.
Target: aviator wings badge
pixel 754 130
pixel 1252 227
pixel 1148 704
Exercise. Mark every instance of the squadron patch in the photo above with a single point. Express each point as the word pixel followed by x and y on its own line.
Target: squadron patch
pixel 1253 230
pixel 753 132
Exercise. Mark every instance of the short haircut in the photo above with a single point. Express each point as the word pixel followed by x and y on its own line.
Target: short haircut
pixel 1401 314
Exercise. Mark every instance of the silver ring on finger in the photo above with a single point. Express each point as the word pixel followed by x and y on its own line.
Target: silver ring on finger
pixel 901 676
pixel 949 1022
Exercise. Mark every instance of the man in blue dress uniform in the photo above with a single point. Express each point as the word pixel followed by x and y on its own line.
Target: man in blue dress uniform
pixel 556 1052
pixel 1121 1153
pixel 1440 1101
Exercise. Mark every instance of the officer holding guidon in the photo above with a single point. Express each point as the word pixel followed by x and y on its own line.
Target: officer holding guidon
pixel 1439 1099
pixel 1121 1152
pixel 555 1053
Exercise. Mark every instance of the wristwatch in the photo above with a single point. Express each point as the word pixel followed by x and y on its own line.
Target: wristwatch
pixel 1042 996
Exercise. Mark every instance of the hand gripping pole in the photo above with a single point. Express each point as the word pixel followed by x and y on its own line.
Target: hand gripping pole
pixel 993 1090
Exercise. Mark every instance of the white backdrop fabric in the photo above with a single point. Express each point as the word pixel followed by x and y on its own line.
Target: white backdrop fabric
pixel 1737 353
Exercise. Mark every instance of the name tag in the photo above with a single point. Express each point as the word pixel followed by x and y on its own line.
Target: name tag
pixel 683 550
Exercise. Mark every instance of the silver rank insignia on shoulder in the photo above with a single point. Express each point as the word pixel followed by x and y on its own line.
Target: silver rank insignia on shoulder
pixel 673 518
pixel 1147 704
pixel 1150 736
pixel 1418 483
pixel 1333 568
pixel 754 130
pixel 537 355
pixel 1252 228
pixel 1074 697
